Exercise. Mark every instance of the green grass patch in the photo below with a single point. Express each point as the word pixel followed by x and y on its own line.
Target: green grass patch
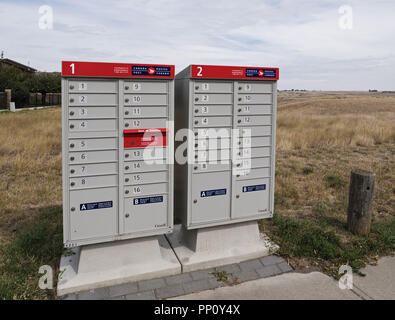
pixel 307 170
pixel 334 181
pixel 35 244
pixel 306 238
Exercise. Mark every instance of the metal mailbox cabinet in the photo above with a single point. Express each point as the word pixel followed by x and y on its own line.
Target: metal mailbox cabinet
pixel 117 121
pixel 238 105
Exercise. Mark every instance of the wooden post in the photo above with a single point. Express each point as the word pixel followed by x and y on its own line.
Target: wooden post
pixel 359 213
pixel 8 98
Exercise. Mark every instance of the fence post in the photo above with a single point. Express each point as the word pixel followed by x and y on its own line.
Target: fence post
pixel 359 213
pixel 8 98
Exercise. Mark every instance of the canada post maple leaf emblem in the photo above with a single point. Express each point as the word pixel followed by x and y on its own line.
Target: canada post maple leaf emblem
pixel 151 70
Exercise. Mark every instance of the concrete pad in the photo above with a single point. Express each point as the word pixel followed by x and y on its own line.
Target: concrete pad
pixel 217 246
pixel 108 264
pixel 288 286
pixel 379 282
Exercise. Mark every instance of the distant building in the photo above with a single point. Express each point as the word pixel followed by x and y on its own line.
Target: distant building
pixel 20 66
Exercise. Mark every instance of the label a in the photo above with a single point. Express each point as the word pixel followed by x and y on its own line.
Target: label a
pixel 212 193
pixel 258 187
pixel 95 205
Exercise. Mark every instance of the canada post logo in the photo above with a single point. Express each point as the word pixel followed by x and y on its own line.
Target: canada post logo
pixel 151 71
pixel 261 73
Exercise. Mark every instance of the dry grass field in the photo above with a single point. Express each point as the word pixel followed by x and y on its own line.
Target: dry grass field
pixel 320 138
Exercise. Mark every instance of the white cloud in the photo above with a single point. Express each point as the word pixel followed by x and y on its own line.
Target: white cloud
pixel 301 37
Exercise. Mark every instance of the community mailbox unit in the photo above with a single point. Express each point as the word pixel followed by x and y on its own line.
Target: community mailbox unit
pixel 231 179
pixel 117 151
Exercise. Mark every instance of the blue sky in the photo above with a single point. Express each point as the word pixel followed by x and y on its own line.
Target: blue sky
pixel 301 37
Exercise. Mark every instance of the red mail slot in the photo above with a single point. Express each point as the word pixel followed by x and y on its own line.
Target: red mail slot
pixel 142 138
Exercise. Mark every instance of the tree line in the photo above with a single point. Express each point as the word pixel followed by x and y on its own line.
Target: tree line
pixel 21 83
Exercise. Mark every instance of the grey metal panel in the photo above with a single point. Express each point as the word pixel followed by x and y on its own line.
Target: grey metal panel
pixel 92 86
pixel 254 109
pixel 210 122
pixel 145 87
pixel 212 133
pixel 253 152
pixel 255 141
pixel 254 87
pixel 146 189
pixel 210 208
pixel 248 120
pixel 93 223
pixel 92 112
pixel 145 177
pixel 212 98
pixel 93 125
pixel 145 99
pixel 213 110
pixel 142 166
pixel 93 156
pixel 141 217
pixel 250 98
pixel 204 167
pixel 93 182
pixel 210 144
pixel 145 123
pixel 244 174
pixel 92 99
pixel 256 131
pixel 93 169
pixel 251 203
pixel 145 112
pixel 86 144
pixel 213 155
pixel 210 86
pixel 253 163
pixel 146 154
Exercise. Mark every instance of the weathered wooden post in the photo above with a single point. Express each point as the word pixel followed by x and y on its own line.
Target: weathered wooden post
pixel 359 213
pixel 8 98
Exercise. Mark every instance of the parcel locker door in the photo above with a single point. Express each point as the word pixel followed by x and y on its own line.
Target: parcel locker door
pixel 250 198
pixel 210 198
pixel 93 213
pixel 145 213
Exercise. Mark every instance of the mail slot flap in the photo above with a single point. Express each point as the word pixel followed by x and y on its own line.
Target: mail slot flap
pixel 213 98
pixel 93 156
pixel 218 87
pixel 145 99
pixel 255 141
pixel 93 99
pixel 243 174
pixel 211 144
pixel 248 120
pixel 253 163
pixel 255 87
pixel 256 131
pixel 145 189
pixel 93 125
pixel 145 177
pixel 93 182
pixel 93 144
pixel 212 121
pixel 147 154
pixel 93 86
pixel 213 110
pixel 255 109
pixel 145 112
pixel 253 152
pixel 212 133
pixel 145 123
pixel 143 166
pixel 92 112
pixel 93 169
pixel 146 87
pixel 255 98
pixel 141 138
pixel 210 167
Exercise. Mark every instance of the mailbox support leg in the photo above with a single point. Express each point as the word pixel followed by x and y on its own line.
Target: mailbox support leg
pixel 217 246
pixel 108 264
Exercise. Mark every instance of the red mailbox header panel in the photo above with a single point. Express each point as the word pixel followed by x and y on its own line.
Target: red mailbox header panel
pixel 228 72
pixel 118 70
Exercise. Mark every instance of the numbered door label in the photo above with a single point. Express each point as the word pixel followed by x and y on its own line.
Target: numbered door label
pixel 82 86
pixel 83 99
pixel 136 86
